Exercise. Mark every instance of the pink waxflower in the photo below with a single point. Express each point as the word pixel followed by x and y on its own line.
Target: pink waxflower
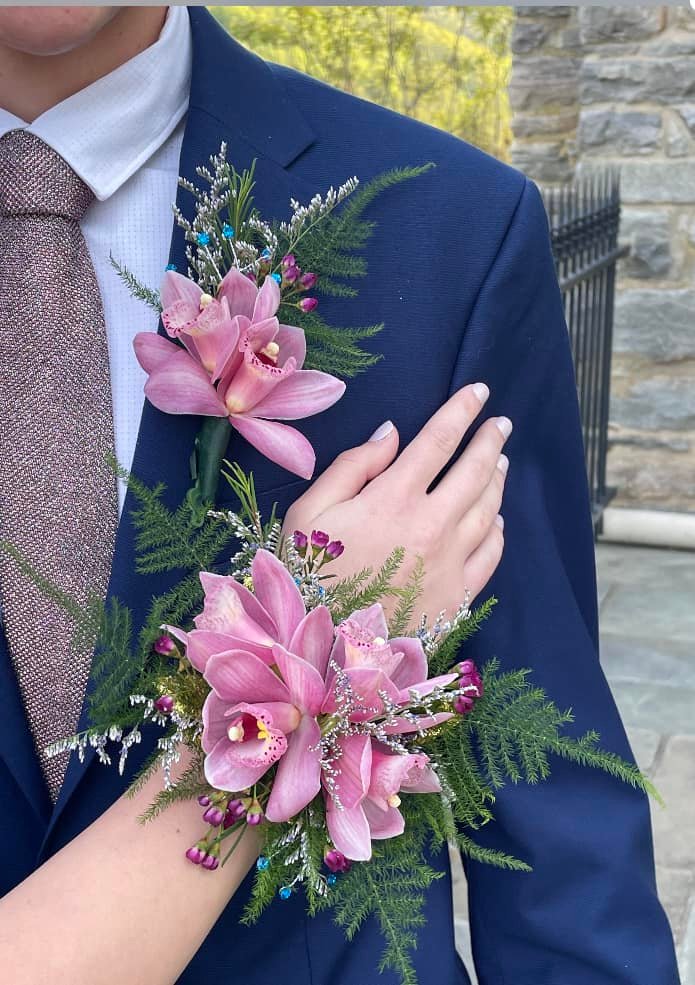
pixel 236 361
pixel 376 779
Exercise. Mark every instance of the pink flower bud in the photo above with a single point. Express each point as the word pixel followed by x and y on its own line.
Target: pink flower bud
pixel 466 667
pixel 301 541
pixel 308 280
pixel 319 539
pixel 210 862
pixel 214 816
pixel 290 275
pixel 164 645
pixel 165 704
pixel 204 800
pixel 335 549
pixel 289 260
pixel 308 304
pixel 195 854
pixel 336 861
pixel 463 704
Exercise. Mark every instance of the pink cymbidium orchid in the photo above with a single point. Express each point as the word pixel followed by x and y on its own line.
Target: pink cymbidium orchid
pixel 272 670
pixel 379 776
pixel 236 361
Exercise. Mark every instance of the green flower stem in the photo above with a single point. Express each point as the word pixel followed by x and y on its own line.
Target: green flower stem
pixel 206 462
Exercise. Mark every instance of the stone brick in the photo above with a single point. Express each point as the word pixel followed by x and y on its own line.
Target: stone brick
pixel 656 403
pixel 683 17
pixel 678 142
pixel 544 162
pixel 647 231
pixel 546 68
pixel 529 95
pixel 554 11
pixel 528 34
pixel 544 124
pixel 598 24
pixel 656 323
pixel 658 181
pixel 633 80
pixel 687 114
pixel 633 132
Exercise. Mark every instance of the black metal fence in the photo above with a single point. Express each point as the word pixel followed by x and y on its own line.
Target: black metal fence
pixel 584 222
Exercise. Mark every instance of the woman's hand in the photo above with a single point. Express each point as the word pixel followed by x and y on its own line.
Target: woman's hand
pixel 374 501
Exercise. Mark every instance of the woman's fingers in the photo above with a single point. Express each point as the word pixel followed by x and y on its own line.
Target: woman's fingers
pixel 477 521
pixel 466 480
pixel 482 563
pixel 430 451
pixel 349 473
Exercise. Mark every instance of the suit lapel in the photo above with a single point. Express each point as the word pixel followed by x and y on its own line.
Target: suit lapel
pixel 226 78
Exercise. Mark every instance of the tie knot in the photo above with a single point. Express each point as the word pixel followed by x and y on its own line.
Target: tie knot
pixel 36 180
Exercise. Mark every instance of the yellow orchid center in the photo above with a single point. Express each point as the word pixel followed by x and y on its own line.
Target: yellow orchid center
pixel 394 800
pixel 263 732
pixel 271 352
pixel 205 300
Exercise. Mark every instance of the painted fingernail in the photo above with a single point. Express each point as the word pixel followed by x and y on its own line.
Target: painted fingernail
pixel 499 520
pixel 383 431
pixel 481 391
pixel 503 464
pixel 505 426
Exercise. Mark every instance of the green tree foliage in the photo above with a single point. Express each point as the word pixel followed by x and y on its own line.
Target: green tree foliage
pixel 447 66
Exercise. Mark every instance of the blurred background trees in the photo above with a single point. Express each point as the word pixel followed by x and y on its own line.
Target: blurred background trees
pixel 447 66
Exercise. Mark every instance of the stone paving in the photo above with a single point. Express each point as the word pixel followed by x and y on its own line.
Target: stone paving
pixel 647 602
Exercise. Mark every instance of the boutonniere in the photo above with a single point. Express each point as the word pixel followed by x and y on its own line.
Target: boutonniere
pixel 350 742
pixel 247 349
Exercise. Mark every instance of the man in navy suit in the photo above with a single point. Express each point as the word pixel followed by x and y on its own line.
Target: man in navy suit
pixel 461 274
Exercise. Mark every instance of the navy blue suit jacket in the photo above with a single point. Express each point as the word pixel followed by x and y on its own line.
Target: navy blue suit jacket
pixel 460 272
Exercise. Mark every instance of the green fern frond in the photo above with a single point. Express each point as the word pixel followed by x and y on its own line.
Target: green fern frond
pixel 136 288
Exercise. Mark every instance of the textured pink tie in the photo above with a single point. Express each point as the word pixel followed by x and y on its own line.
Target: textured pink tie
pixel 58 501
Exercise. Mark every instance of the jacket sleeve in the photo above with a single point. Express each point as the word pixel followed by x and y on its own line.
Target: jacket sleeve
pixel 588 914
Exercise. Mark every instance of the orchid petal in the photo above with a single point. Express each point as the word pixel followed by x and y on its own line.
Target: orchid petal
pixel 421 778
pixel 305 684
pixel 372 618
pixel 302 394
pixel 153 351
pixel 389 771
pixel 202 644
pixel 240 293
pixel 292 342
pixel 349 831
pixel 234 766
pixel 421 722
pixel 383 824
pixel 278 594
pixel 283 445
pixel 215 721
pixel 354 769
pixel 231 608
pixel 426 687
pixel 240 676
pixel 253 381
pixel 413 665
pixel 176 287
pixel 313 638
pixel 298 777
pixel 267 300
pixel 181 386
pixel 260 334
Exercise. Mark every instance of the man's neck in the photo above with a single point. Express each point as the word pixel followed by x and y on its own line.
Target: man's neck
pixel 32 84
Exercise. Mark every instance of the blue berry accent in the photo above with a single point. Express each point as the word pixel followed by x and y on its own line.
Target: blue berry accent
pixel 332 879
pixel 227 231
pixel 322 591
pixel 171 266
pixel 266 253
pixel 262 863
pixel 285 892
pixel 203 239
pixel 277 278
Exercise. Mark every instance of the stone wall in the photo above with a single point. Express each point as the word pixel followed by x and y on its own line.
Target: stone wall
pixel 616 85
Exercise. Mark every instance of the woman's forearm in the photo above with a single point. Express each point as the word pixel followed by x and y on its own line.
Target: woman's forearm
pixel 120 903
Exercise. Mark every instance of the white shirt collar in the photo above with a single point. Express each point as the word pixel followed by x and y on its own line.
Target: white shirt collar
pixel 107 131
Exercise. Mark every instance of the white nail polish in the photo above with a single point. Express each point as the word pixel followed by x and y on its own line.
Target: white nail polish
pixel 505 426
pixel 499 520
pixel 503 464
pixel 383 431
pixel 481 391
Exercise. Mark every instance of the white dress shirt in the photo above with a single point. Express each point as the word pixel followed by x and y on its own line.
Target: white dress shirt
pixel 122 135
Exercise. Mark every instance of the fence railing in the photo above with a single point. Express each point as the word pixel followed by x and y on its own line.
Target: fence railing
pixel 584 223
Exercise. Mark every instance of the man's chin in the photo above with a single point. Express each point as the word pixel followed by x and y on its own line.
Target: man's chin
pixel 46 31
